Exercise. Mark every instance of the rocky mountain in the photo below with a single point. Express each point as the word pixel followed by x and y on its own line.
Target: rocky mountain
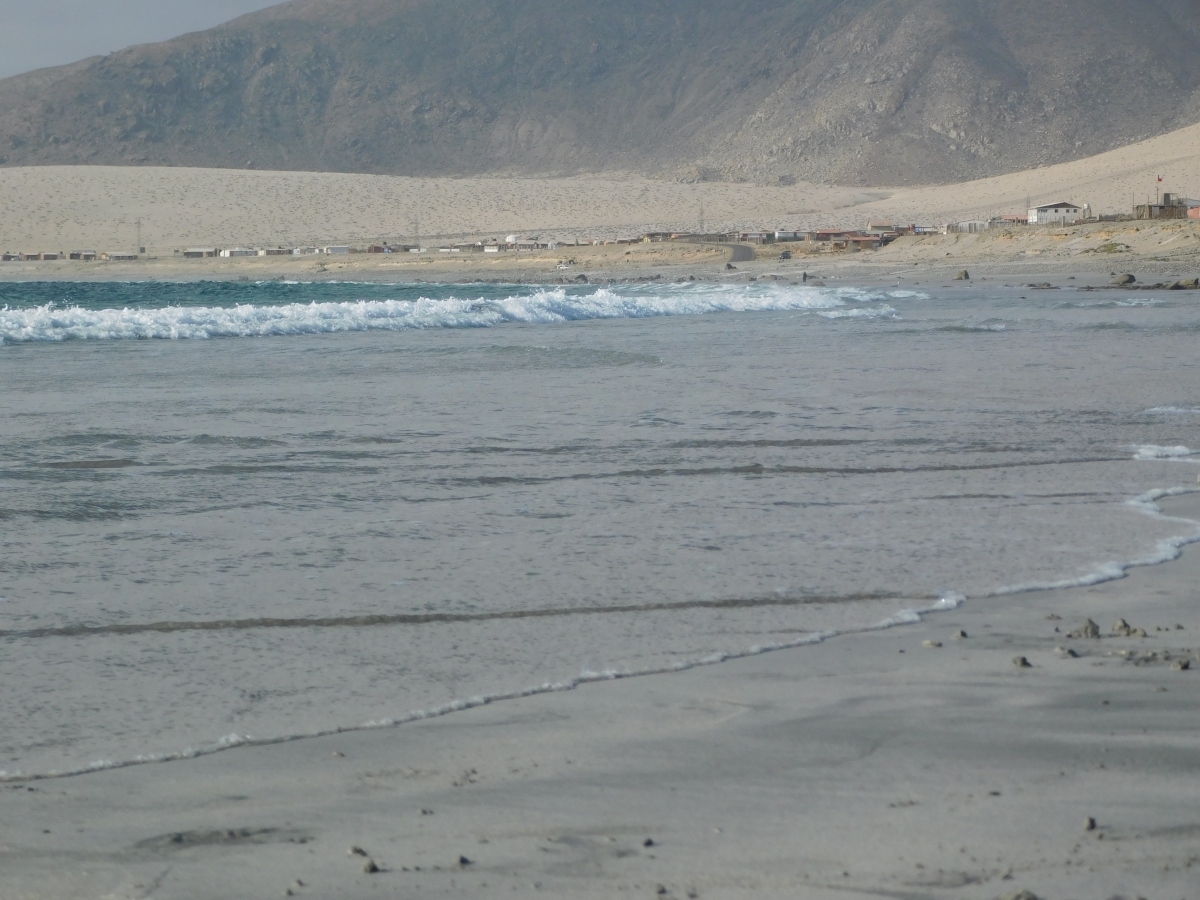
pixel 848 91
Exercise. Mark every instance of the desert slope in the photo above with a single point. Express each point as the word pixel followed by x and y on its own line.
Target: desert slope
pixel 49 208
pixel 847 91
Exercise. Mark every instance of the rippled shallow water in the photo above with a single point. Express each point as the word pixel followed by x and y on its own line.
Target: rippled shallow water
pixel 349 502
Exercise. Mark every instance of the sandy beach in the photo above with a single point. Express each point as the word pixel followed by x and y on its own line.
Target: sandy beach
pixel 1157 253
pixel 914 762
pixel 529 479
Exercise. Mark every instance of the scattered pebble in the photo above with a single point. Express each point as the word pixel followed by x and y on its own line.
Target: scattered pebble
pixel 1088 630
pixel 338 753
pixel 1019 895
pixel 463 861
pixel 1022 663
pixel 356 851
pixel 960 635
pixel 648 842
pixel 661 889
pixel 369 866
pixel 1067 652
pixel 932 645
pixel 1089 824
pixel 1181 665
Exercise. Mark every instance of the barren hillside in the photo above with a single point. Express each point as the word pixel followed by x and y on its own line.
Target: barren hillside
pixel 848 91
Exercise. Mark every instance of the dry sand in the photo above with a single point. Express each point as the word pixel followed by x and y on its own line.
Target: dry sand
pixel 1076 256
pixel 54 208
pixel 903 763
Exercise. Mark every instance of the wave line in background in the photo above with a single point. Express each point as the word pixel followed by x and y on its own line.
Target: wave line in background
pixel 52 322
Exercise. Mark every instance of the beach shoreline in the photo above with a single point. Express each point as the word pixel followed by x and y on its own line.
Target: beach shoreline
pixel 907 762
pixel 1081 256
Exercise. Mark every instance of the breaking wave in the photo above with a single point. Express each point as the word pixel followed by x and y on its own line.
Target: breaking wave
pixel 52 322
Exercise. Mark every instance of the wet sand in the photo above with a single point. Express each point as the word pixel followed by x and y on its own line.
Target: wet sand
pixel 902 763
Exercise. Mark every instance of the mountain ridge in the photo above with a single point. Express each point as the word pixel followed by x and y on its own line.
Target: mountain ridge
pixel 852 91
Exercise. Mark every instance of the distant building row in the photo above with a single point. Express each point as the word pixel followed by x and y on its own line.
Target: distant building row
pixel 230 252
pixel 84 255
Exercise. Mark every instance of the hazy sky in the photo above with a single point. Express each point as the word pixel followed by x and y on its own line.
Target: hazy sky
pixel 53 32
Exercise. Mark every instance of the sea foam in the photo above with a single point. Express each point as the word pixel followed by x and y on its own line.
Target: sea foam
pixel 51 322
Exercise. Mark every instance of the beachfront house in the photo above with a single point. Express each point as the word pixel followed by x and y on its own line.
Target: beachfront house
pixel 858 241
pixel 238 251
pixel 1171 206
pixel 1064 213
pixel 200 252
pixel 337 249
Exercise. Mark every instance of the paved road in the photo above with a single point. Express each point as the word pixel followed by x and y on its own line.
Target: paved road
pixel 739 252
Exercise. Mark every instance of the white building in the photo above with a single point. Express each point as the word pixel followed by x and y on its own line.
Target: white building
pixel 337 249
pixel 238 251
pixel 973 226
pixel 1055 214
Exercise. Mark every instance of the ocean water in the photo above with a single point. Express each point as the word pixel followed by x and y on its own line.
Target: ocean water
pixel 235 512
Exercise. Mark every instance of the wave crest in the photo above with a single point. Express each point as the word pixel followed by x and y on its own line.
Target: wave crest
pixel 57 323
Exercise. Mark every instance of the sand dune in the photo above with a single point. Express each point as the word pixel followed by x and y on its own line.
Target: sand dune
pixel 75 207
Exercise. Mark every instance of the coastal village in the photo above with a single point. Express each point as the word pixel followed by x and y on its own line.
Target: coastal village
pixel 874 235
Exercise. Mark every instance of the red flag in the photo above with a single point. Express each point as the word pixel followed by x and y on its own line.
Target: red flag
pixel 1160 178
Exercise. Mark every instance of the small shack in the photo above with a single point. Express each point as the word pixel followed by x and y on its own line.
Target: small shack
pixel 1171 206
